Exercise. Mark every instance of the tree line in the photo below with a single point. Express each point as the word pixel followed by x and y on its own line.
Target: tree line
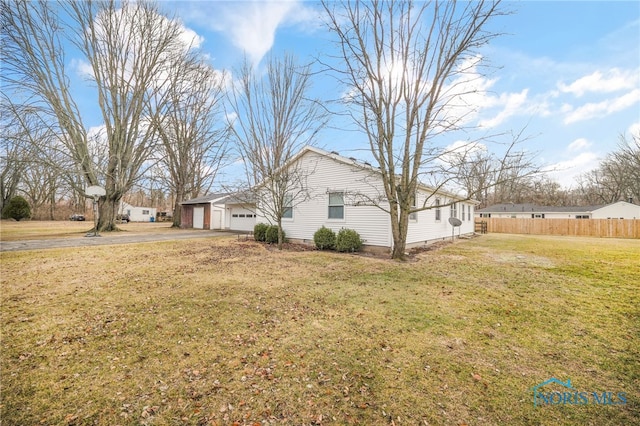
pixel 170 121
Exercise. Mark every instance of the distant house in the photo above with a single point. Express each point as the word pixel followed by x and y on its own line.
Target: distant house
pixel 137 214
pixel 218 211
pixel 619 210
pixel 338 189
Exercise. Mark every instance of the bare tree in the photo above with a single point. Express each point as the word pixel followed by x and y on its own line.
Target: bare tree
pixel 273 120
pixel 127 46
pixel 14 158
pixel 193 134
pixel 407 66
pixel 617 177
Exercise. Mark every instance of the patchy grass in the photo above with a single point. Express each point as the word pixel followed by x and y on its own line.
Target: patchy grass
pixel 218 331
pixel 11 230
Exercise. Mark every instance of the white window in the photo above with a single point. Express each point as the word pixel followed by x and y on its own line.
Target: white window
pixel 336 205
pixel 469 212
pixel 454 210
pixel 438 213
pixel 145 211
pixel 462 211
pixel 413 216
pixel 287 208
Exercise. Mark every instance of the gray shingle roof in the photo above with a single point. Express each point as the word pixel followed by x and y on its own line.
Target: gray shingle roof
pixel 531 208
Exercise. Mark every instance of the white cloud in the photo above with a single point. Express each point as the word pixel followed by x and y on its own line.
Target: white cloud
pixel 578 145
pixel 634 129
pixel 612 81
pixel 511 103
pixel 252 25
pixel 565 172
pixel 82 68
pixel 600 109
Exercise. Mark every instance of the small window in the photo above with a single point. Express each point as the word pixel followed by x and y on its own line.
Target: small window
pixel 438 213
pixel 336 205
pixel 454 210
pixel 145 211
pixel 469 212
pixel 287 212
pixel 462 212
pixel 582 216
pixel 413 216
pixel 241 215
pixel 234 215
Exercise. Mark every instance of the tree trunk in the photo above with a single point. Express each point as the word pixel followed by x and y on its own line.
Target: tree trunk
pixel 107 211
pixel 399 228
pixel 177 213
pixel 280 236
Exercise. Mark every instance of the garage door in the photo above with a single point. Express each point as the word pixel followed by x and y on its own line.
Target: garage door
pixel 198 217
pixel 242 219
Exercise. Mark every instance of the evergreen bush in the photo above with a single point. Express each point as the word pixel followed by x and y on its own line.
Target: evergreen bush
pixel 271 234
pixel 348 240
pixel 260 231
pixel 17 208
pixel 325 239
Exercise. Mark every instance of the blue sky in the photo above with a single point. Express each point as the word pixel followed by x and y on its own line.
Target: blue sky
pixel 568 71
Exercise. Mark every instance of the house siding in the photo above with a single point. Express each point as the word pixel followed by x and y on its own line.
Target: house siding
pixel 426 228
pixel 328 175
pixel 619 210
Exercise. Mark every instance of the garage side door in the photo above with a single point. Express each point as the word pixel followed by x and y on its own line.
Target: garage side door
pixel 198 217
pixel 242 219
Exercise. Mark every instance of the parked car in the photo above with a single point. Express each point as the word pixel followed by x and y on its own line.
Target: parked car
pixel 76 216
pixel 164 217
pixel 123 218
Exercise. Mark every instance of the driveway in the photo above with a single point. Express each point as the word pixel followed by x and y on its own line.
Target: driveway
pixel 102 240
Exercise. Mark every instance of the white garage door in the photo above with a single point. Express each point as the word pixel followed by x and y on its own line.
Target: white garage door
pixel 242 219
pixel 198 217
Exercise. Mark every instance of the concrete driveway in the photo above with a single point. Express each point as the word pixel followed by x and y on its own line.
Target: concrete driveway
pixel 119 238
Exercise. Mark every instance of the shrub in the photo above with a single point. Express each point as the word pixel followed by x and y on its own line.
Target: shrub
pixel 348 240
pixel 325 239
pixel 260 231
pixel 271 235
pixel 17 208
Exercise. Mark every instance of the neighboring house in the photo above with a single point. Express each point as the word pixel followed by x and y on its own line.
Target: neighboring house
pixel 137 214
pixel 619 210
pixel 338 192
pixel 218 211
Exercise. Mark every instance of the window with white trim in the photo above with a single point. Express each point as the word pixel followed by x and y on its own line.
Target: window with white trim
pixel 336 205
pixel 462 208
pixel 454 210
pixel 438 213
pixel 413 216
pixel 287 211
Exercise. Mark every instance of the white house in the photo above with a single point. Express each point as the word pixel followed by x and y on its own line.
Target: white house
pixel 619 210
pixel 339 193
pixel 137 214
pixel 219 211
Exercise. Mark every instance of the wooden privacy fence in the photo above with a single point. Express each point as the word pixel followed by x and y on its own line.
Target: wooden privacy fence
pixel 607 228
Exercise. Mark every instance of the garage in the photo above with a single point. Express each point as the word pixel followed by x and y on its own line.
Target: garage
pixel 242 219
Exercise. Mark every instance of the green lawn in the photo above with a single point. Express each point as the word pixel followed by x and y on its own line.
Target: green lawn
pixel 221 332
